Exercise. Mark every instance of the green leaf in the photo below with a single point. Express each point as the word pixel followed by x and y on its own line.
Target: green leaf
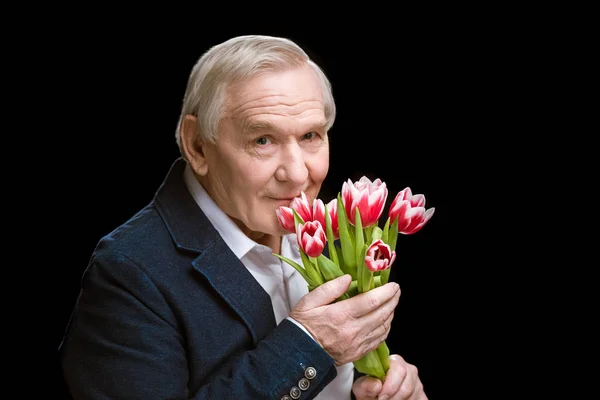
pixel 298 268
pixel 385 234
pixel 391 241
pixel 328 268
pixel 297 218
pixel 368 233
pixel 393 235
pixel 376 234
pixel 344 267
pixel 359 239
pixel 311 271
pixel 364 274
pixel 384 276
pixel 352 289
pixel 346 240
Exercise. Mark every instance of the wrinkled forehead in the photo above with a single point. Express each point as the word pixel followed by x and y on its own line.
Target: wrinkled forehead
pixel 288 92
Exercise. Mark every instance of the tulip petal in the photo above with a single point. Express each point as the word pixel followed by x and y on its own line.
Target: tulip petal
pixel 318 211
pixel 418 200
pixel 379 256
pixel 302 207
pixel 285 215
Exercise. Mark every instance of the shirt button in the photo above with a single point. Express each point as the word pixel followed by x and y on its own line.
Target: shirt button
pixel 295 393
pixel 303 384
pixel 310 372
pixel 286 397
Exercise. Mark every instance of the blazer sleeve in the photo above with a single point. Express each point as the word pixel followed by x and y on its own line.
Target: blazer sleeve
pixel 123 342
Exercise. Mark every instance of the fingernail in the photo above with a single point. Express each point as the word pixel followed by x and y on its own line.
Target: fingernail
pixel 384 397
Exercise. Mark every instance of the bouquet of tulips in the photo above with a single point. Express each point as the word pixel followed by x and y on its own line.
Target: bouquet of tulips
pixel 357 245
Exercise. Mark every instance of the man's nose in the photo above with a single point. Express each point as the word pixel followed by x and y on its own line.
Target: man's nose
pixel 293 167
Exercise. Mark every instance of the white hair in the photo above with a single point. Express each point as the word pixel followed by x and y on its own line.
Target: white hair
pixel 235 60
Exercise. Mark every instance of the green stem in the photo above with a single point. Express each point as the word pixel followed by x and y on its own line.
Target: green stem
pixel 384 356
pixel 370 364
pixel 311 271
pixel 385 275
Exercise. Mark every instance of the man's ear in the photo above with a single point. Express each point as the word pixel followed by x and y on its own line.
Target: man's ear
pixel 192 145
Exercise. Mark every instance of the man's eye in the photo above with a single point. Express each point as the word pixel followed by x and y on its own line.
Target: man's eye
pixel 262 141
pixel 310 135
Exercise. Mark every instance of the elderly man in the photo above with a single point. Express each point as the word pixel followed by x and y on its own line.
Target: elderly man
pixel 186 300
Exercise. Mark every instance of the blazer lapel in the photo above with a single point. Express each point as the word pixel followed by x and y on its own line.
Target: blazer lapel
pixel 230 278
pixel 192 231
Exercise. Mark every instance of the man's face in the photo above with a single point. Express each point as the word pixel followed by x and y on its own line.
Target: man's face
pixel 271 146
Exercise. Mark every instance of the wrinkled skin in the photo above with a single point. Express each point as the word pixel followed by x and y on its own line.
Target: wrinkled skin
pixel 402 382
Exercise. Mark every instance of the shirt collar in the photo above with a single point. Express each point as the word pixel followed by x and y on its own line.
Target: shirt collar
pixel 237 241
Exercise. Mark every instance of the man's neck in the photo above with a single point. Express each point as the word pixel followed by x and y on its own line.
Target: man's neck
pixel 274 242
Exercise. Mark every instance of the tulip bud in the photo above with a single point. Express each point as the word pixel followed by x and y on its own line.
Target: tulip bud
pixel 379 256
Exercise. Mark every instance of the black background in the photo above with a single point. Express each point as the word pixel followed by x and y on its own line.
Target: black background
pixel 418 106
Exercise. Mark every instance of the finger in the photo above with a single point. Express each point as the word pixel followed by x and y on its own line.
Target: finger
pixel 382 317
pixel 371 336
pixel 409 385
pixel 376 325
pixel 420 391
pixel 366 302
pixel 325 293
pixel 366 388
pixel 394 378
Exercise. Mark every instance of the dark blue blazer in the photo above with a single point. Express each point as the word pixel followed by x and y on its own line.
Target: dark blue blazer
pixel 167 311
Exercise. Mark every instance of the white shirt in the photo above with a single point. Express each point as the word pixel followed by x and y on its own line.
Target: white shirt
pixel 281 281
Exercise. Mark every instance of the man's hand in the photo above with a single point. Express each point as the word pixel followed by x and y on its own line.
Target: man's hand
pixel 402 382
pixel 351 328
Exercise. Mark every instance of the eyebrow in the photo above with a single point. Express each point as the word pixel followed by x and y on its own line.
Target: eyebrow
pixel 262 126
pixel 257 126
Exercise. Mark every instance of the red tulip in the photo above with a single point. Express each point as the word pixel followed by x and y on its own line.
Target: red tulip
pixel 308 213
pixel 379 256
pixel 410 211
pixel 311 238
pixel 318 212
pixel 302 207
pixel 369 197
pixel 319 215
pixel 332 210
pixel 285 215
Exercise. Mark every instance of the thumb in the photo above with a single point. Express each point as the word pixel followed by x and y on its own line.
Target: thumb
pixel 325 293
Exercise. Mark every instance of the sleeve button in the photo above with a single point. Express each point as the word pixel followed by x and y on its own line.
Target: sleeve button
pixel 303 384
pixel 295 393
pixel 310 372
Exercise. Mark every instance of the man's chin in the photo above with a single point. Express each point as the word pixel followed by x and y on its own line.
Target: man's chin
pixel 282 232
pixel 275 230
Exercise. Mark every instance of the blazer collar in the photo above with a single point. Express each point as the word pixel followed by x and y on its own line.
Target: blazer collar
pixel 191 231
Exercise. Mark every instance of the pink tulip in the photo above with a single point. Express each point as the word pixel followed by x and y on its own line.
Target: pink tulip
pixel 369 197
pixel 302 207
pixel 319 215
pixel 332 210
pixel 311 238
pixel 318 212
pixel 285 215
pixel 410 211
pixel 379 256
